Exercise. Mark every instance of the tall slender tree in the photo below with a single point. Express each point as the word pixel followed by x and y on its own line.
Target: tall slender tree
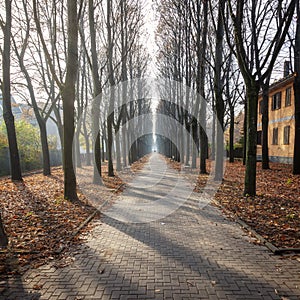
pixel 218 88
pixel 41 120
pixel 245 16
pixel 296 160
pixel 6 95
pixel 97 90
pixel 67 91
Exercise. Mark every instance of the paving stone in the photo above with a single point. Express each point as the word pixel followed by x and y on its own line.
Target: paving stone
pixel 191 253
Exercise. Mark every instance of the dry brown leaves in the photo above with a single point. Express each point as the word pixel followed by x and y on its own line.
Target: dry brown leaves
pixel 274 213
pixel 39 221
pixel 138 165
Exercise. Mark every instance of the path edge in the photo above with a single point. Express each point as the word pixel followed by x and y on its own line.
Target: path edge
pixel 275 250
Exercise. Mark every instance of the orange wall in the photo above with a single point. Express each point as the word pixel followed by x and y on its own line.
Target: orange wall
pixel 275 120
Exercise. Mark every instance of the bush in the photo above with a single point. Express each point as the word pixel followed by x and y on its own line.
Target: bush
pixel 28 139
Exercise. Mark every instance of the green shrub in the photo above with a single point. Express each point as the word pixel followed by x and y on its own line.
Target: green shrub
pixel 28 139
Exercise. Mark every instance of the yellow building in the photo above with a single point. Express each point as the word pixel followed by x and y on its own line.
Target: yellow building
pixel 281 131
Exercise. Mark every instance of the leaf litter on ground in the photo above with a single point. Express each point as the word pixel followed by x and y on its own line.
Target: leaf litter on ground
pixel 39 222
pixel 275 211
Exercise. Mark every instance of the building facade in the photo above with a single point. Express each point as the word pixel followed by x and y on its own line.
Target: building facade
pixel 281 127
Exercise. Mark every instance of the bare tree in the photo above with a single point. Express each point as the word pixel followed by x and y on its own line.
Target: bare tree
pixel 111 80
pixel 96 95
pixel 254 68
pixel 38 113
pixel 67 90
pixel 6 94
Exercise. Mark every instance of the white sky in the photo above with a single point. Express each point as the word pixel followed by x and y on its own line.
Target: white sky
pixel 150 26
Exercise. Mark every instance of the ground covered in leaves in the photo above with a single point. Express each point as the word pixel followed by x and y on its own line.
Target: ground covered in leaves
pixel 37 219
pixel 40 223
pixel 274 213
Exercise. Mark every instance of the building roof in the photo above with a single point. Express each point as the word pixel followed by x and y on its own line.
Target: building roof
pixel 16 109
pixel 280 83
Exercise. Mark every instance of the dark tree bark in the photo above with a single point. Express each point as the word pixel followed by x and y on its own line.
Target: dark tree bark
pixel 231 135
pixel 124 46
pixel 245 132
pixel 68 96
pixel 110 117
pixel 296 160
pixel 6 93
pixel 202 113
pixel 251 127
pixel 3 236
pixel 218 86
pixel 97 97
pixel 265 125
pixel 87 140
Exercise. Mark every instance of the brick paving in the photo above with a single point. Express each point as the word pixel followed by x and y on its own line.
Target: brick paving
pixel 190 254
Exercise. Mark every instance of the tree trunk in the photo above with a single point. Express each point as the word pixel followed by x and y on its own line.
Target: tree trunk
pixel 104 146
pixel 45 148
pixel 118 151
pixel 188 147
pixel 68 96
pixel 124 144
pixel 77 149
pixel 251 133
pixel 203 143
pixel 296 160
pixel 60 127
pixel 231 135
pixel 3 236
pixel 201 89
pixel 213 135
pixel 195 143
pixel 245 132
pixel 97 97
pixel 218 95
pixel 97 161
pixel 265 125
pixel 86 140
pixel 7 111
pixel 110 117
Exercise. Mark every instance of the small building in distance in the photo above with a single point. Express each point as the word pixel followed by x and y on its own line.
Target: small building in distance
pixel 281 129
pixel 238 134
pixel 15 107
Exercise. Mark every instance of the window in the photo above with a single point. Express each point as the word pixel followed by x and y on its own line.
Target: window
pixel 286 135
pixel 275 136
pixel 261 107
pixel 288 96
pixel 259 137
pixel 276 101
